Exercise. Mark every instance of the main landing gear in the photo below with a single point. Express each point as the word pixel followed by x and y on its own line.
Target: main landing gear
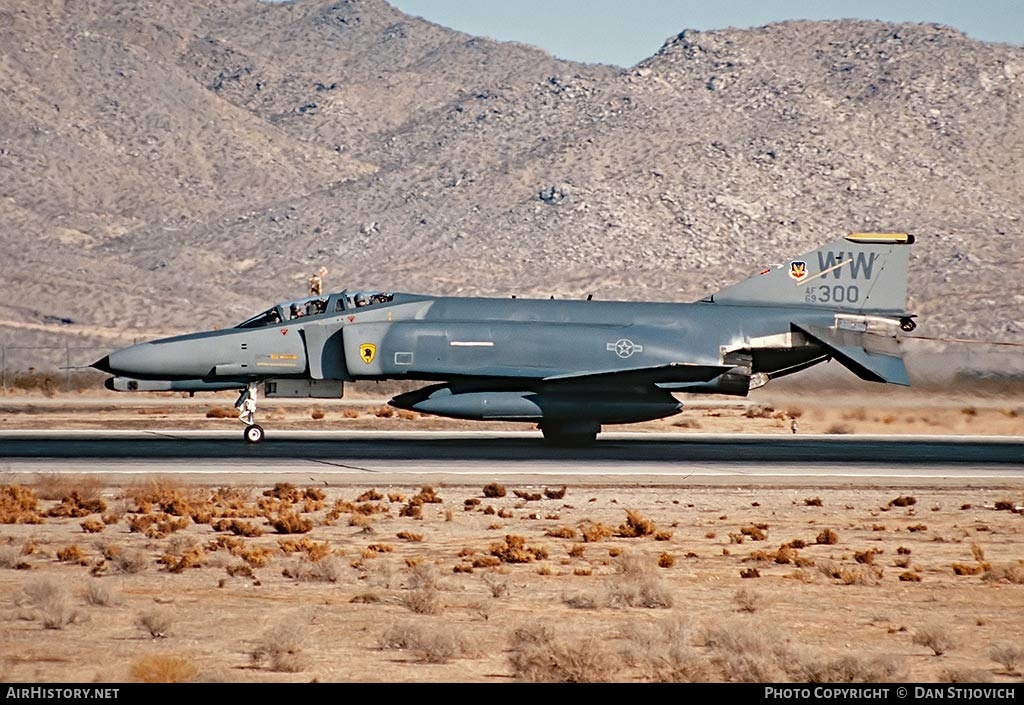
pixel 246 406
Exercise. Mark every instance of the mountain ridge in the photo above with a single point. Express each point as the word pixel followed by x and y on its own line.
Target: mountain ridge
pixel 181 167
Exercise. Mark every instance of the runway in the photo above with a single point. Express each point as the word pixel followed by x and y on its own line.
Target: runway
pixel 620 455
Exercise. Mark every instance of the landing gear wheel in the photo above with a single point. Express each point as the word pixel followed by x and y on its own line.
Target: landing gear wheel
pixel 254 433
pixel 907 324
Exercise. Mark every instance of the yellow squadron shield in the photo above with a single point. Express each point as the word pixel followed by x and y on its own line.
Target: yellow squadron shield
pixel 367 351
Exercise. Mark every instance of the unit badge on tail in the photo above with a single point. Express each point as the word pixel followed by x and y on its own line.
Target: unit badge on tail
pixel 367 351
pixel 797 270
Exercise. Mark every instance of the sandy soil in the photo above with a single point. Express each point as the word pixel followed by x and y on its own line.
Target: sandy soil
pixel 156 579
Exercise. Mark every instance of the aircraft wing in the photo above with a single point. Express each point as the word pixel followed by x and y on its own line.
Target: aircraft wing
pixel 650 375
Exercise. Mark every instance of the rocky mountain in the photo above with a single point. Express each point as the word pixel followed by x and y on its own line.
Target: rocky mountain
pixel 174 166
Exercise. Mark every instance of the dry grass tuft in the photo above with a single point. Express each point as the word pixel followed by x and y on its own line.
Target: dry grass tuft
pixel 936 637
pixel 289 521
pixel 156 623
pixel 537 654
pixel 1009 656
pixel 515 550
pixel 164 668
pixel 827 537
pixel 281 648
pixel 19 505
pixel 636 526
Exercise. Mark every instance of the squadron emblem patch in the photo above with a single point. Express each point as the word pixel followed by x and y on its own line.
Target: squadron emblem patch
pixel 367 351
pixel 797 270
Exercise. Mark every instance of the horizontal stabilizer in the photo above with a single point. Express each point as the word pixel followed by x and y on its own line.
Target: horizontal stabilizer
pixel 876 358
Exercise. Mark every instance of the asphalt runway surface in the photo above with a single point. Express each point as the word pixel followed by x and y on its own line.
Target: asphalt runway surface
pixel 621 455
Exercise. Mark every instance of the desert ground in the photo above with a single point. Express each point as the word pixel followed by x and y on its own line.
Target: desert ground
pixel 117 579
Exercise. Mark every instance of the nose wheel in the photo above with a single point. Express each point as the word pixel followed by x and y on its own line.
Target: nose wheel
pixel 246 406
pixel 254 433
pixel 907 324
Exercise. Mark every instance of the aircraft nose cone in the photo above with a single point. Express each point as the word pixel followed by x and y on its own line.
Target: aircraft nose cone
pixel 103 365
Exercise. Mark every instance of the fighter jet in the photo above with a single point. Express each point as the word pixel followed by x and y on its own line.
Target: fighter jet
pixel 567 366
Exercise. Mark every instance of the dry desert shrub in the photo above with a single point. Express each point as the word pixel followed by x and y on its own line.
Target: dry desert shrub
pixel 221 412
pixel 498 586
pixel 71 554
pixel 555 494
pixel 423 596
pixel 827 537
pixel 164 668
pixel 493 490
pixel 936 637
pixel 662 652
pixel 100 594
pixel 428 644
pixel 562 532
pixel 317 413
pixel 330 569
pixel 156 623
pixel 754 532
pixel 515 550
pixel 812 667
pixel 19 505
pixel 1012 573
pixel 93 526
pixel 527 496
pixel 537 654
pixel 290 522
pixel 156 526
pixel 350 413
pixel 49 602
pixel 56 486
pixel 954 674
pixel 313 550
pixel 281 648
pixel 12 557
pixel 581 601
pixel 747 652
pixel 636 526
pixel 127 562
pixel 903 501
pixel 746 600
pixel 74 505
pixel 595 531
pixel 1007 655
pixel 237 527
pixel 636 584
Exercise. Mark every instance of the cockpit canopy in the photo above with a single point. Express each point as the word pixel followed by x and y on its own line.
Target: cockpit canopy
pixel 316 306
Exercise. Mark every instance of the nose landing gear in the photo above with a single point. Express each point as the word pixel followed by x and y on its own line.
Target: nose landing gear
pixel 246 406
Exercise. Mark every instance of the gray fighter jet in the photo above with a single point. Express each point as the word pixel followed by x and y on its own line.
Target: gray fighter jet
pixel 568 366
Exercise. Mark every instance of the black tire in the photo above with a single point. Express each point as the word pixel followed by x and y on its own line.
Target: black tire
pixel 254 433
pixel 907 325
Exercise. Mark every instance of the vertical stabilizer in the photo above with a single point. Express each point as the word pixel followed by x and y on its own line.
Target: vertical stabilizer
pixel 862 273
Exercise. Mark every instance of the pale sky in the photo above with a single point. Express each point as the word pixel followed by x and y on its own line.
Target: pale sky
pixel 624 32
